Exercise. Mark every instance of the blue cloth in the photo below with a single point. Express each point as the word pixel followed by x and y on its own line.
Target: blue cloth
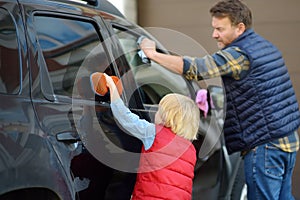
pixel 141 53
pixel 139 128
pixel 268 173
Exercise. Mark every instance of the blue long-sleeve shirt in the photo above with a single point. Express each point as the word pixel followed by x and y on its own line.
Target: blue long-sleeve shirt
pixel 139 128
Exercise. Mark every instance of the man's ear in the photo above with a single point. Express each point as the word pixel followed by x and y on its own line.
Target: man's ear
pixel 241 28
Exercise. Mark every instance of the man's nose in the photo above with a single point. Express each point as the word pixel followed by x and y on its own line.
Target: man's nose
pixel 215 34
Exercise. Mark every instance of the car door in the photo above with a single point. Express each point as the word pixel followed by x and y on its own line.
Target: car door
pixel 59 45
pixel 69 47
pixel 20 142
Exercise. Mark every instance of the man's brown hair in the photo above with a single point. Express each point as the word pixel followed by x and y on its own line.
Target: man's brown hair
pixel 235 10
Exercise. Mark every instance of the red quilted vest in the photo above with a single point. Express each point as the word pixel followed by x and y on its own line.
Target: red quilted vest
pixel 167 169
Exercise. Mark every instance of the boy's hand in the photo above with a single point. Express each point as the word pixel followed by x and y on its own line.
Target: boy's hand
pixel 114 94
pixel 109 81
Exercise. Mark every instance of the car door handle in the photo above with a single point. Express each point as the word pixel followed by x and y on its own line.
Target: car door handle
pixel 70 137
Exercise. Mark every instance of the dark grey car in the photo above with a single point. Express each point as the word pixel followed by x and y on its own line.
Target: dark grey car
pixel 56 134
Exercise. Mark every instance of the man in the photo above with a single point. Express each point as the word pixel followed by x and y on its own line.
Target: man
pixel 262 111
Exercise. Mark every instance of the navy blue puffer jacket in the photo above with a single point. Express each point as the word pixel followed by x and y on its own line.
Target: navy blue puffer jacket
pixel 262 106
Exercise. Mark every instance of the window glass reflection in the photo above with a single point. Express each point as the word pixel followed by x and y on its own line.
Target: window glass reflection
pixel 69 46
pixel 9 55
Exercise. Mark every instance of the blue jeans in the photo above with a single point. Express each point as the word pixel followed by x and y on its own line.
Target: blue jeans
pixel 268 173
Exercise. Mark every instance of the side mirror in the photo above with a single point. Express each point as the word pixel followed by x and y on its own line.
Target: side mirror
pixel 218 96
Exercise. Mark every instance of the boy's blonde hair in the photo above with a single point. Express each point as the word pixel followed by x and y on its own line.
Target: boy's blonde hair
pixel 181 114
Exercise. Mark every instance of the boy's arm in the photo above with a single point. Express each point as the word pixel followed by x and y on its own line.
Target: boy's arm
pixel 137 127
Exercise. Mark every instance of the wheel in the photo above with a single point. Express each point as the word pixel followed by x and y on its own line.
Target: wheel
pixel 30 194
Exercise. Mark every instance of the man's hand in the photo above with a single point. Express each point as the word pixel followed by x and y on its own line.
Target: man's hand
pixel 149 47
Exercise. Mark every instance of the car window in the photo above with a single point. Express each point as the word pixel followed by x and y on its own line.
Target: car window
pixel 9 55
pixel 72 51
pixel 153 80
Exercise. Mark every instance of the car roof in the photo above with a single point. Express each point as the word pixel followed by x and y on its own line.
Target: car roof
pixel 102 5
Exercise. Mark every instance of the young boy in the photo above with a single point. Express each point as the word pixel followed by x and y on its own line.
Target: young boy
pixel 168 157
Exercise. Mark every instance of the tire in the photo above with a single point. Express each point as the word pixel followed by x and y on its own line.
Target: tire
pixel 239 189
pixel 30 194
